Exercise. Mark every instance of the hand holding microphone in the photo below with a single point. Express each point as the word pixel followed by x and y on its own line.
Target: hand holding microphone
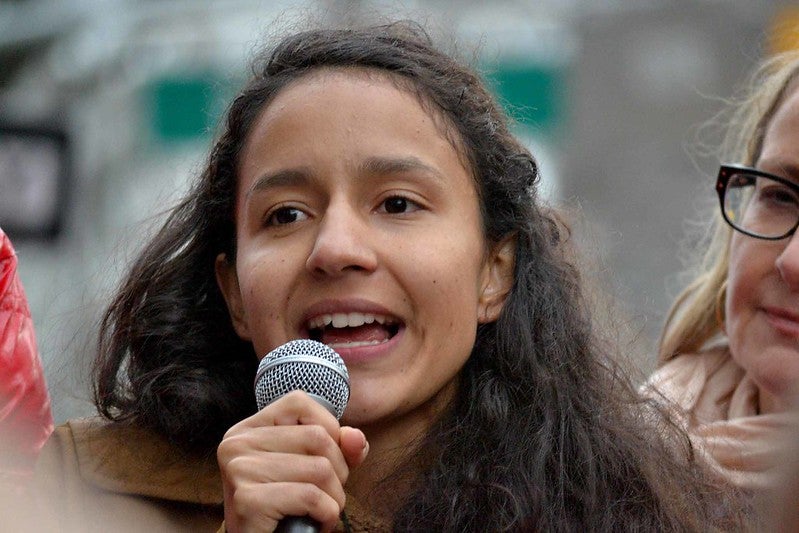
pixel 284 468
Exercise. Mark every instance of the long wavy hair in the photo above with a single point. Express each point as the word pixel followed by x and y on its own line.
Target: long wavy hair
pixel 694 318
pixel 545 433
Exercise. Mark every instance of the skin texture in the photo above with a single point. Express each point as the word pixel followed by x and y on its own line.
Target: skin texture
pixel 351 198
pixel 762 305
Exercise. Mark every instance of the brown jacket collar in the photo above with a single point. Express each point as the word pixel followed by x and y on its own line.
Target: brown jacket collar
pixel 129 460
pixel 125 459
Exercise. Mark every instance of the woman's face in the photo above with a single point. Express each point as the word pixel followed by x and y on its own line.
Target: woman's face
pixel 358 225
pixel 763 291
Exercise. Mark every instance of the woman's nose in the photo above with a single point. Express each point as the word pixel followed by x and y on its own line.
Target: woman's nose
pixel 788 262
pixel 342 243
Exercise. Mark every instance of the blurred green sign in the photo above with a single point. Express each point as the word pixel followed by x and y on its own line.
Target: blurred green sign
pixel 186 107
pixel 533 94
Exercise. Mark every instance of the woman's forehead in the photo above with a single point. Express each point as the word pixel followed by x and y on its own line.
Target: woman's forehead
pixel 413 87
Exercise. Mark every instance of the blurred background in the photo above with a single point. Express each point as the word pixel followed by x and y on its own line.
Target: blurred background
pixel 107 109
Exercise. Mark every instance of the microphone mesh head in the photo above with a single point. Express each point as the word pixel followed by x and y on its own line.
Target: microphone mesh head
pixel 304 365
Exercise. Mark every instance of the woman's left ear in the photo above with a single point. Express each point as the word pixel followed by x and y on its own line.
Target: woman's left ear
pixel 497 280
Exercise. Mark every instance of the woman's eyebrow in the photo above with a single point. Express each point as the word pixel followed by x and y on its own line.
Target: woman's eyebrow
pixel 280 178
pixel 782 168
pixel 372 165
pixel 398 165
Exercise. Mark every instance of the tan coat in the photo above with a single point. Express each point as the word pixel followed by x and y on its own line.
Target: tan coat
pixel 94 475
pixel 97 476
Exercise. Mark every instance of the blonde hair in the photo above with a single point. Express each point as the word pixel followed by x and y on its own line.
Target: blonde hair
pixel 692 320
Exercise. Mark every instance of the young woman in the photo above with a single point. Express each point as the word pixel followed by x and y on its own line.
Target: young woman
pixel 366 192
pixel 730 349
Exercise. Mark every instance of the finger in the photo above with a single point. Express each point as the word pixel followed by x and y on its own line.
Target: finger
pixel 299 441
pixel 295 408
pixel 354 446
pixel 277 468
pixel 246 506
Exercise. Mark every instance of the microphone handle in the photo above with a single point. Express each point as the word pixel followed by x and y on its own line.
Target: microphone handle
pixel 297 524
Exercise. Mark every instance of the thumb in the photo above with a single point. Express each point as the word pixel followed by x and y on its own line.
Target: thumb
pixel 353 445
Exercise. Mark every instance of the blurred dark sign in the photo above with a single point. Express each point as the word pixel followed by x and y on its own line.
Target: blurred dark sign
pixel 34 169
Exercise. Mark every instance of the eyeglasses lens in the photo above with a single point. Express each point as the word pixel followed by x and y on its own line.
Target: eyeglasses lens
pixel 760 205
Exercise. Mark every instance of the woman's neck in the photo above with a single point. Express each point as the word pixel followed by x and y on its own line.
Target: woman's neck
pixel 392 444
pixel 389 450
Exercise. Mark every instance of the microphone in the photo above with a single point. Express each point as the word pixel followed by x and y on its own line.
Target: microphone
pixel 314 368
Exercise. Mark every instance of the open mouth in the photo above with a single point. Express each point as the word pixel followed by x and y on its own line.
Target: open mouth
pixel 352 330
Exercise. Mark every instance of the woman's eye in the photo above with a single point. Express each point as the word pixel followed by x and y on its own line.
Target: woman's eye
pixel 780 194
pixel 285 215
pixel 398 204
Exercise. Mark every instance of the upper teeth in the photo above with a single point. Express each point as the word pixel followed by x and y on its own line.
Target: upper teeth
pixel 346 320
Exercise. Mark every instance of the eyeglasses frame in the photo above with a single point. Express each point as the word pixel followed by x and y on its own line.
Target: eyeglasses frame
pixel 726 171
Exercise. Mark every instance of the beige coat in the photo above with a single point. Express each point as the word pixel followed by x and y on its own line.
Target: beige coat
pixel 94 475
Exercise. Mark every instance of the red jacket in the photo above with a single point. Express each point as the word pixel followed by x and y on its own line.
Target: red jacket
pixel 25 417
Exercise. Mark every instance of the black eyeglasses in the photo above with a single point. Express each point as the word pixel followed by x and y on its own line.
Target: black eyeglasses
pixel 757 203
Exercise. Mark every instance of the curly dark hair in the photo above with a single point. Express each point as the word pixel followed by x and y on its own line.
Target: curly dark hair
pixel 545 434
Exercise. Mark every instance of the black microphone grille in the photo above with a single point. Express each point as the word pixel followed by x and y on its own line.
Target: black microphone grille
pixel 304 365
